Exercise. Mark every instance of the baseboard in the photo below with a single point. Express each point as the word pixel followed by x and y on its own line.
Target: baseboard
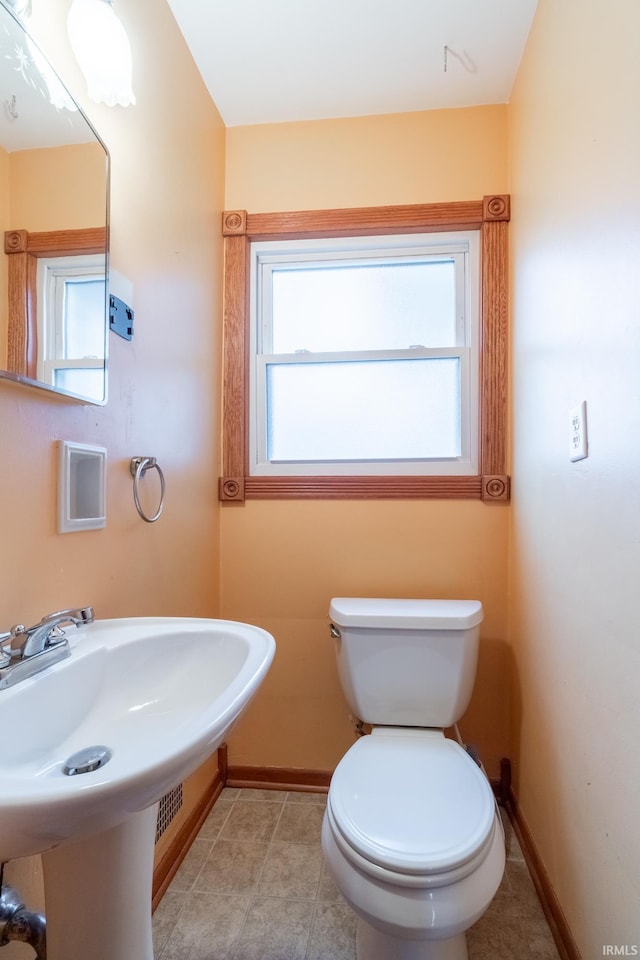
pixel 167 866
pixel 301 780
pixel 279 778
pixel 567 947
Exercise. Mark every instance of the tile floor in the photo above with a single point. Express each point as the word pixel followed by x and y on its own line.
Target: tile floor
pixel 254 887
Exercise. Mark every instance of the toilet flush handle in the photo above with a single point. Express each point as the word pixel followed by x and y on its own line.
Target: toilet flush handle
pixel 335 633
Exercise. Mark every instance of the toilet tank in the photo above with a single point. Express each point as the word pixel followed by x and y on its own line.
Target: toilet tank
pixel 406 663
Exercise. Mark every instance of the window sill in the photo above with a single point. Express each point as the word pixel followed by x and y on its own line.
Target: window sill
pixel 488 488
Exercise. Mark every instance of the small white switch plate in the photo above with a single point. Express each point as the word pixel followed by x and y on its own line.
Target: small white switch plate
pixel 578 432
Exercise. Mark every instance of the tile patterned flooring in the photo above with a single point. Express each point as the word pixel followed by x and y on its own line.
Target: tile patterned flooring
pixel 254 887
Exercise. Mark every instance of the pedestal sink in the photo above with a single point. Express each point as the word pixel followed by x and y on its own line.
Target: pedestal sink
pixel 160 695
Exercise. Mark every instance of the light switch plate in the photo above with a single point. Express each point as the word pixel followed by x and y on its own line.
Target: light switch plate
pixel 578 449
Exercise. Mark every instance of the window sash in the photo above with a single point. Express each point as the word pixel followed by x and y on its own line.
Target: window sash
pixel 268 257
pixel 463 465
pixel 53 274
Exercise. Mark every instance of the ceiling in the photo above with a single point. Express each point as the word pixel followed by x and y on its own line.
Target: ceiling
pixel 271 61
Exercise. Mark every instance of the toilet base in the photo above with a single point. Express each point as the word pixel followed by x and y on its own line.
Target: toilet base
pixel 372 944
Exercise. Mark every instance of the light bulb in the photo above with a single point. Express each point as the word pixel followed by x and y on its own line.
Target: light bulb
pixel 101 47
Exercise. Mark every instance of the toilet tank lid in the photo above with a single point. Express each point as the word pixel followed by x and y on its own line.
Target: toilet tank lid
pixel 405 614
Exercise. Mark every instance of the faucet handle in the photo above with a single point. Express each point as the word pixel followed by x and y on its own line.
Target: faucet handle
pixel 77 615
pixel 12 643
pixel 5 655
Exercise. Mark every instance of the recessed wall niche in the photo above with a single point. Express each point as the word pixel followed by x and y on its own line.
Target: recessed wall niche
pixel 81 487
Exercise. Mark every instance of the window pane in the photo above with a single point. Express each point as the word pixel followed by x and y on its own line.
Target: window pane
pixel 364 307
pixel 84 319
pixel 364 410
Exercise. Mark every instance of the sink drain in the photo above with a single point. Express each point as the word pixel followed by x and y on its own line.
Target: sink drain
pixel 84 761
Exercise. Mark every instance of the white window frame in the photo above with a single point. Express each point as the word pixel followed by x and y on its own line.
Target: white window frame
pixel 464 247
pixel 52 272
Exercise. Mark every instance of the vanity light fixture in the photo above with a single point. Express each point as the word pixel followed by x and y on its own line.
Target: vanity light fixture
pixel 102 49
pixel 21 8
pixel 37 64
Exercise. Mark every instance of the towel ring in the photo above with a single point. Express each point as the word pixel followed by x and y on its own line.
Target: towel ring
pixel 138 468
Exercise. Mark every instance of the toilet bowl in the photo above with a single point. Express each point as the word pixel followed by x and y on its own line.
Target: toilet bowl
pixel 411 833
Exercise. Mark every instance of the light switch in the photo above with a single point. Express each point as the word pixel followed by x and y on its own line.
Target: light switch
pixel 578 432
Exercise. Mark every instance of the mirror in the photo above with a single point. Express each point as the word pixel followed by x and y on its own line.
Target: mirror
pixel 54 172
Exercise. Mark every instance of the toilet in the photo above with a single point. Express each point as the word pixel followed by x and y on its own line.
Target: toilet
pixel 411 835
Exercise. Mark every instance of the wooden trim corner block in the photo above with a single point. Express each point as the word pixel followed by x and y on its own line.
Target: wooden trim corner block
pixel 496 489
pixel 497 207
pixel 15 241
pixel 231 488
pixel 234 223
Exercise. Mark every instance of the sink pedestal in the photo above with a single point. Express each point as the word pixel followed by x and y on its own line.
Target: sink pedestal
pixel 98 893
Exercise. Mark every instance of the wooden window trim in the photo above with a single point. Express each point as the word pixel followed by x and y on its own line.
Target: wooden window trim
pixel 23 250
pixel 491 217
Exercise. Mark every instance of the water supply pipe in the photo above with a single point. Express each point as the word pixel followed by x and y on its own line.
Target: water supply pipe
pixel 18 923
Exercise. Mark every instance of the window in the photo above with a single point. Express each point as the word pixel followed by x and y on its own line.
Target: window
pixel 71 325
pixel 365 352
pixel 363 356
pixel 67 362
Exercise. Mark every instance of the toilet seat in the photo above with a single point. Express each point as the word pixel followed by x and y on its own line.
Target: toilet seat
pixel 412 804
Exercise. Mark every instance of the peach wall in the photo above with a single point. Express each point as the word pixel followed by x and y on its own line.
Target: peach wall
pixel 167 194
pixel 366 161
pixel 575 185
pixel 58 188
pixel 283 561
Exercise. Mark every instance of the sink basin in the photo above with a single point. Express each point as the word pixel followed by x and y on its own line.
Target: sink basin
pixel 159 693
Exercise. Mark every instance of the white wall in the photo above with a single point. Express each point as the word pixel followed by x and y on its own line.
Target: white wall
pixel 575 564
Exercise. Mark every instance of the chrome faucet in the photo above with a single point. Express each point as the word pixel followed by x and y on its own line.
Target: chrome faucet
pixel 29 641
pixel 27 650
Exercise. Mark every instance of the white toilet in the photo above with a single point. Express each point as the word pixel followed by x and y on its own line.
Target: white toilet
pixel 411 836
